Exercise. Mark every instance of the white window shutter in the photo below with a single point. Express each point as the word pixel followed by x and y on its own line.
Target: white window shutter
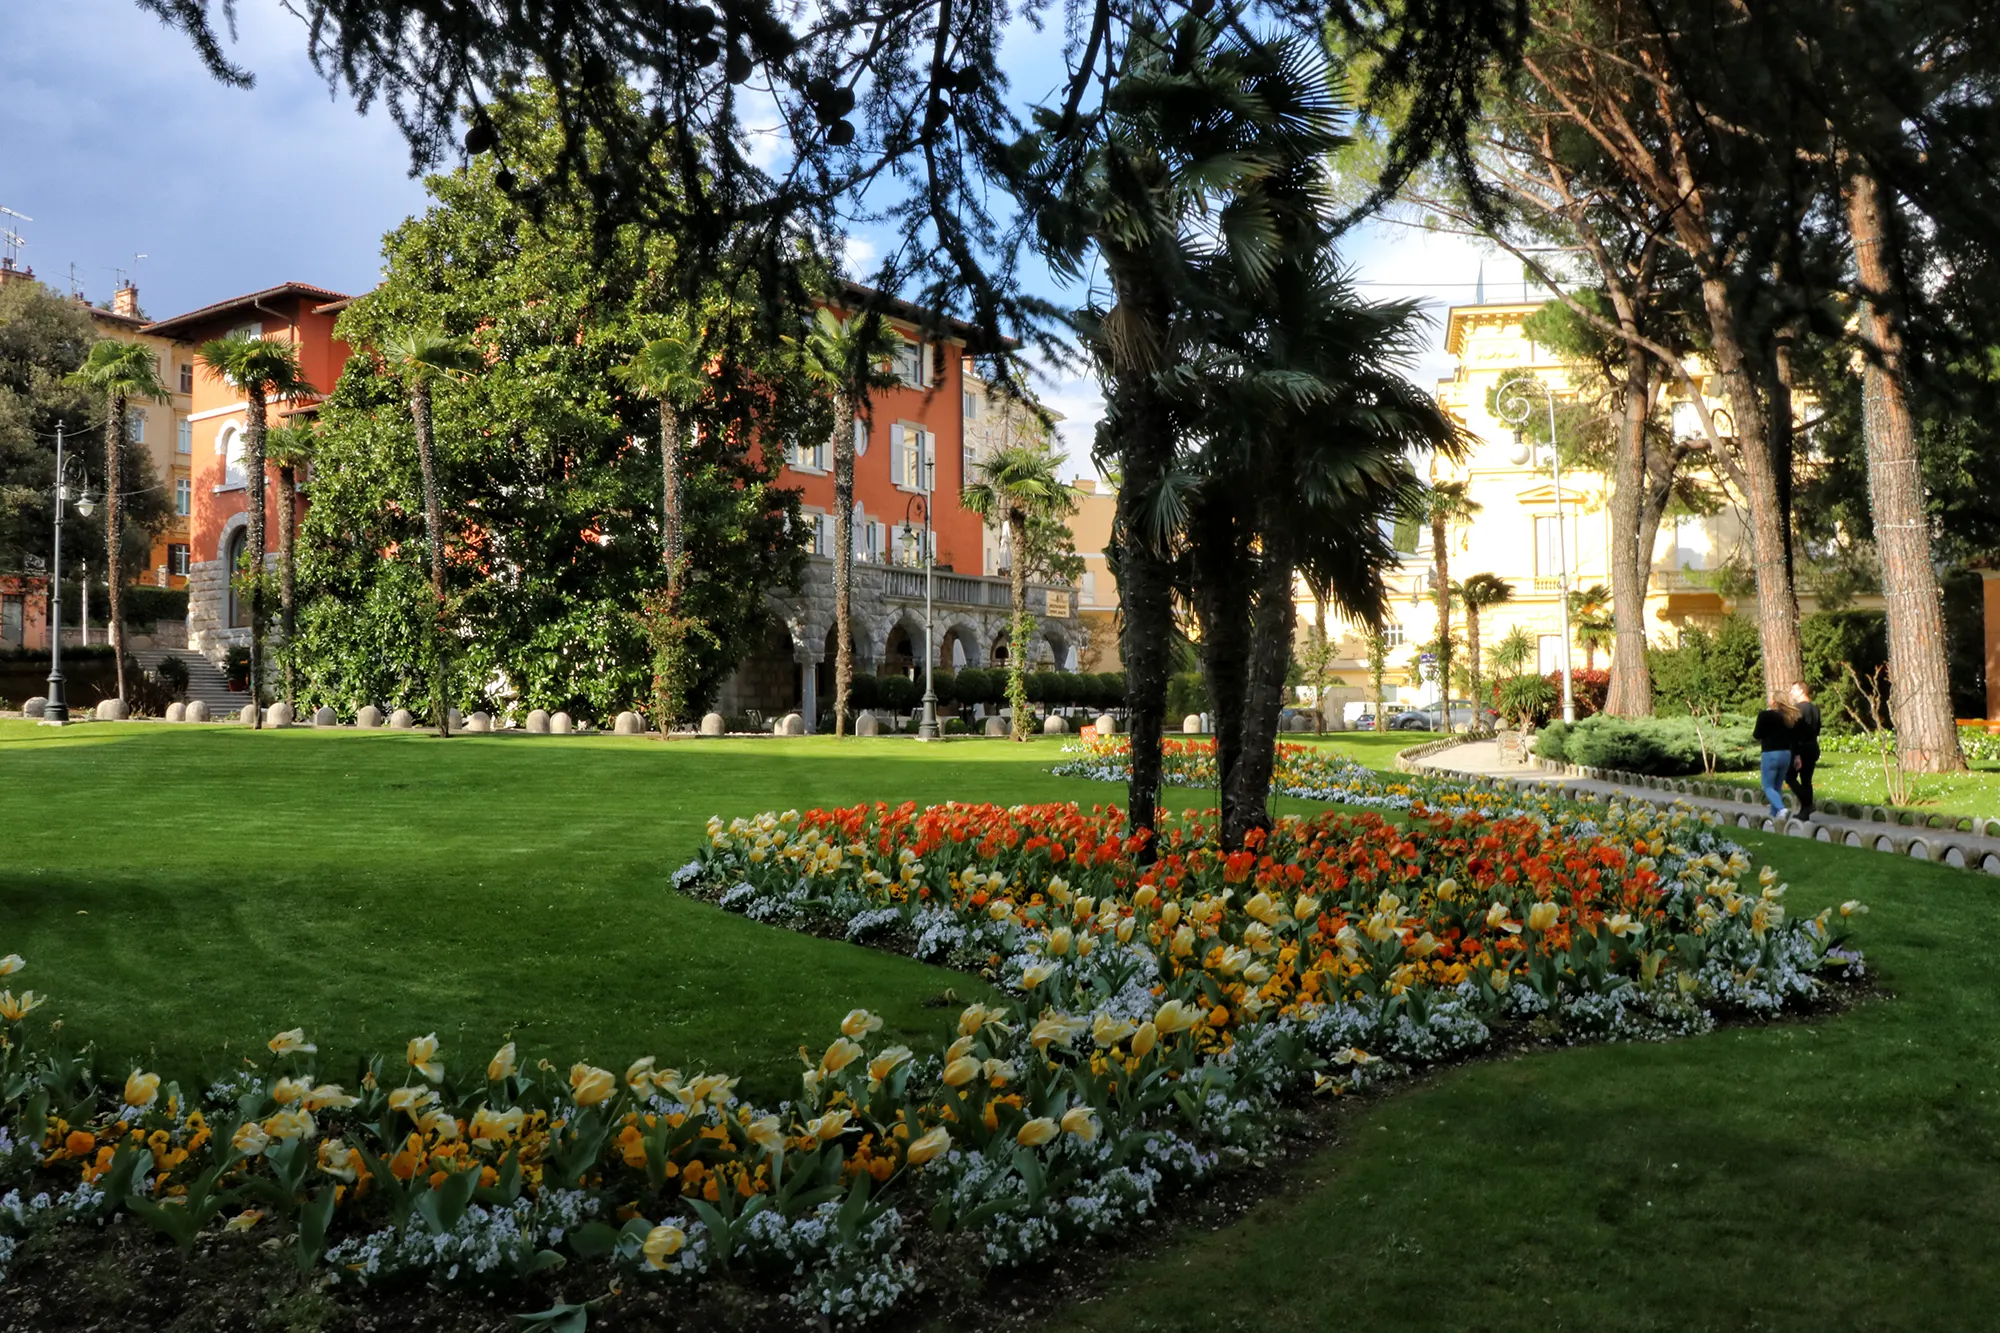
pixel 860 437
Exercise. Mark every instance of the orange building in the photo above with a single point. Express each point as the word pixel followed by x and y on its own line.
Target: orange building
pixel 218 521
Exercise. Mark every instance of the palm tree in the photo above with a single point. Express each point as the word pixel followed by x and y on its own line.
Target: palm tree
pixel 849 360
pixel 123 372
pixel 262 370
pixel 419 357
pixel 1591 622
pixel 289 448
pixel 1019 490
pixel 669 371
pixel 1476 593
pixel 1444 504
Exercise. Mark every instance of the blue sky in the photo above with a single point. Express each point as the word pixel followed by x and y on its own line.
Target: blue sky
pixel 120 144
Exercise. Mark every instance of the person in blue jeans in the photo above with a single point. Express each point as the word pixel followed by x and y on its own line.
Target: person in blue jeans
pixel 1774 733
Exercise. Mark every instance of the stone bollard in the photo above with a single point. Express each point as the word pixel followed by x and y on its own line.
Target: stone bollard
pixel 1191 725
pixel 792 725
pixel 456 718
pixel 278 714
pixel 479 724
pixel 177 712
pixel 247 715
pixel 866 724
pixel 628 724
pixel 1107 725
pixel 402 720
pixel 113 710
pixel 324 716
pixel 538 721
pixel 197 711
pixel 35 707
pixel 1054 725
pixel 560 724
pixel 712 724
pixel 996 726
pixel 369 718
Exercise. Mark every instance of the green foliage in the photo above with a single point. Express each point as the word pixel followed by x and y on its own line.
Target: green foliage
pixel 1552 742
pixel 1526 699
pixel 1830 642
pixel 1187 692
pixel 1661 746
pixel 1710 671
pixel 146 605
pixel 548 464
pixel 675 640
pixel 173 674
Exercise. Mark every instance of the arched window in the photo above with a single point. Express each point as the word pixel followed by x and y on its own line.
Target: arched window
pixel 229 443
pixel 239 610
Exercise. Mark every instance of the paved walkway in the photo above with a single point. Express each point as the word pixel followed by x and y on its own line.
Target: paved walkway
pixel 1972 851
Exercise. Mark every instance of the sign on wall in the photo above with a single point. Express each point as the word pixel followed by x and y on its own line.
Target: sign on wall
pixel 1059 604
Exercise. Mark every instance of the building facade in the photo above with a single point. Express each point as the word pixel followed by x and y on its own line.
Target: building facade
pixel 162 430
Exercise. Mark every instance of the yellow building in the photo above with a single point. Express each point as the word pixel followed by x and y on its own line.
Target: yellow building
pixel 162 429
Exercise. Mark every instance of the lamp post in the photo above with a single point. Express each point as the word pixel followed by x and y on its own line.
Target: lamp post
pixel 1511 398
pixel 927 724
pixel 55 712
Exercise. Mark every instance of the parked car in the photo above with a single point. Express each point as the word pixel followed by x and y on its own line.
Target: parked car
pixel 1431 717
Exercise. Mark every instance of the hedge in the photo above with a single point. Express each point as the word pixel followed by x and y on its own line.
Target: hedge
pixel 1661 746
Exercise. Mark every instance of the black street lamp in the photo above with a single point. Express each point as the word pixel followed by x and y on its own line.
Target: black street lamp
pixel 927 725
pixel 55 712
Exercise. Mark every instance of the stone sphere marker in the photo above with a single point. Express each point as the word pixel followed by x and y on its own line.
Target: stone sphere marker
pixel 35 707
pixel 996 726
pixel 712 724
pixel 324 716
pixel 247 715
pixel 1191 725
pixel 538 721
pixel 560 724
pixel 628 724
pixel 402 720
pixel 479 723
pixel 197 711
pixel 1054 725
pixel 177 712
pixel 1107 725
pixel 792 725
pixel 278 714
pixel 866 725
pixel 112 710
pixel 368 718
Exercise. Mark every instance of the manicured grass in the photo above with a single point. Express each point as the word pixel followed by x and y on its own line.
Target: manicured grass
pixel 1843 1173
pixel 1858 777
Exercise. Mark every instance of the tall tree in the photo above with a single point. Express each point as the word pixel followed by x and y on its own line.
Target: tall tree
pixel 419 357
pixel 290 448
pixel 1018 489
pixel 263 371
pixel 1475 593
pixel 848 359
pixel 123 373
pixel 1591 623
pixel 1443 506
pixel 668 370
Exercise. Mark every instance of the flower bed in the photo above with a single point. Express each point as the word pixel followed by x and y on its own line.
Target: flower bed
pixel 1161 1021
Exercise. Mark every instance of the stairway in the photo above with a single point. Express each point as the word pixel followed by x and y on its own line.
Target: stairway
pixel 205 680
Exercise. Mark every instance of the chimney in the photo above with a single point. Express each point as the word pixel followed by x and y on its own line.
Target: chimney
pixel 125 301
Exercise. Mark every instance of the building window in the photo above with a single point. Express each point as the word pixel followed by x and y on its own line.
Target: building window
pixel 810 455
pixel 13 620
pixel 909 362
pixel 135 425
pixel 1549 559
pixel 971 406
pixel 230 445
pixel 184 438
pixel 183 497
pixel 187 377
pixel 1089 588
pixel 913 446
pixel 177 559
pixel 1392 635
pixel 233 567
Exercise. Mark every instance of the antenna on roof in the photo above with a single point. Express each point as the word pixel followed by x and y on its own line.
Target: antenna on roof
pixel 13 238
pixel 75 285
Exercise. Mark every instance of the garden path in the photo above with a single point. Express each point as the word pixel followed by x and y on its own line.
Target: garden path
pixel 1978 852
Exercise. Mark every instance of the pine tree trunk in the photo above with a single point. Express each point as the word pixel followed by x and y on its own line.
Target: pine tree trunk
pixel 1770 539
pixel 420 418
pixel 1017 639
pixel 287 582
pixel 1631 692
pixel 843 562
pixel 256 412
pixel 1919 678
pixel 1441 561
pixel 114 514
pixel 670 490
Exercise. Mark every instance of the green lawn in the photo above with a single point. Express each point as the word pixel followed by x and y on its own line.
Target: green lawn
pixel 1843 1173
pixel 1858 777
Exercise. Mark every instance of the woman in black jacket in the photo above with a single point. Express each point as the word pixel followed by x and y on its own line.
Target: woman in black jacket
pixel 1774 733
pixel 1805 747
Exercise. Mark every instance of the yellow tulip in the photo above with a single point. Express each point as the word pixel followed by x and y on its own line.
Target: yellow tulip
pixel 1497 919
pixel 441 1124
pixel 840 1055
pixel 250 1140
pixel 963 1046
pixel 141 1089
pixel 960 1072
pixel 290 1124
pixel 329 1097
pixel 423 1057
pixel 11 964
pixel 1169 915
pixel 999 1073
pixel 292 1043
pixel 1059 890
pixel 1543 916
pixel 1261 908
pixel 590 1085
pixel 1256 974
pixel 1622 924
pixel 1305 909
pixel 1058 1028
pixel 1125 927
pixel 859 1023
pixel 14 1010
pixel 1259 938
pixel 1144 1038
pixel 829 1126
pixel 1079 1121
pixel 1035 974
pixel 243 1221
pixel 1109 1030
pixel 1145 897
pixel 491 1126
pixel 663 1243
pixel 977 1016
pixel 1183 943
pixel 1173 1016
pixel 1853 907
pixel 931 1146
pixel 765 1133
pixel 715 1089
pixel 639 1075
pixel 885 1064
pixel 411 1100
pixel 502 1065
pixel 339 1161
pixel 1059 941
pixel 1037 1132
pixel 288 1090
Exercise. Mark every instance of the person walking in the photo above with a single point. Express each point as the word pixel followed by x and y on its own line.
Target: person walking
pixel 1774 733
pixel 1805 747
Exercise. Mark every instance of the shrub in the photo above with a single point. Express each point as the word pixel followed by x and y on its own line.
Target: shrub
pixel 1042 685
pixel 1588 688
pixel 1529 697
pixel 1111 685
pixel 1831 641
pixel 1722 668
pixel 146 605
pixel 173 673
pixel 945 685
pixel 236 667
pixel 1661 746
pixel 1552 742
pixel 1187 692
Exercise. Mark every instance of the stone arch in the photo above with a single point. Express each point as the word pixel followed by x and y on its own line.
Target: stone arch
pixel 902 643
pixel 230 548
pixel 961 645
pixel 1058 640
